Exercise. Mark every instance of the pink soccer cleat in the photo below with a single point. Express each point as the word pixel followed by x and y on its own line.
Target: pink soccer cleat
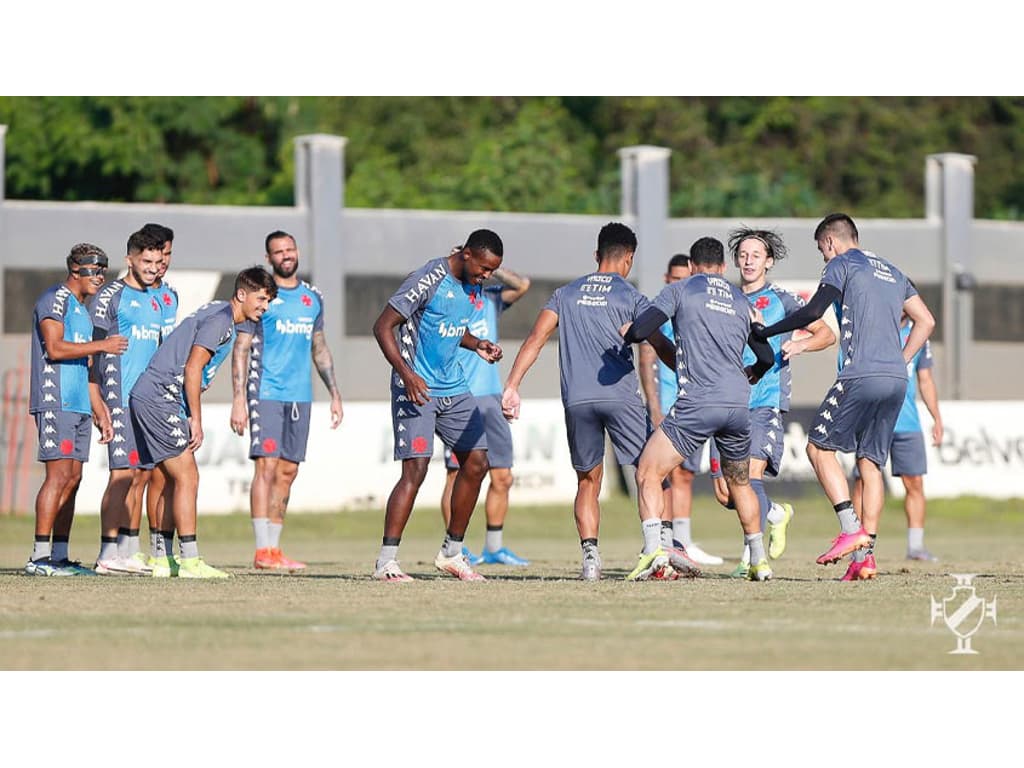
pixel 862 571
pixel 844 544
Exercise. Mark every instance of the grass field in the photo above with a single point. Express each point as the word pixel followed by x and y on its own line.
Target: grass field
pixel 535 618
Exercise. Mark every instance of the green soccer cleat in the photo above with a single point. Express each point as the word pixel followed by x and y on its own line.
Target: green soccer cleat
pixel 741 571
pixel 648 565
pixel 163 567
pixel 760 571
pixel 777 533
pixel 196 568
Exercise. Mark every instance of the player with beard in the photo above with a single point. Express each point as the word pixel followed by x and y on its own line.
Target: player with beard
pixel 273 393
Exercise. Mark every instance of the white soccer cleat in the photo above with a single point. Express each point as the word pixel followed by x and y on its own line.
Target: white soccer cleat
pixel 701 557
pixel 457 566
pixel 391 571
pixel 114 566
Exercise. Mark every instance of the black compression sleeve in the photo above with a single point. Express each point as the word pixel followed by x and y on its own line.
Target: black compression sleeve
pixel 763 350
pixel 813 310
pixel 650 320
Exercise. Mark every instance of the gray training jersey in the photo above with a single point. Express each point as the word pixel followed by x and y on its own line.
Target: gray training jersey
pixel 711 320
pixel 873 292
pixel 594 361
pixel 212 326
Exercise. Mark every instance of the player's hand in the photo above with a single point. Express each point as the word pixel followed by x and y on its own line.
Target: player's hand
pixel 196 429
pixel 239 417
pixel 791 348
pixel 114 345
pixel 510 403
pixel 750 374
pixel 101 419
pixel 625 329
pixel 489 351
pixel 937 433
pixel 416 389
pixel 337 412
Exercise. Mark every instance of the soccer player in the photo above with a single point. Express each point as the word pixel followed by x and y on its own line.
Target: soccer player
pixel 712 321
pixel 485 384
pixel 159 495
pixel 755 252
pixel 600 390
pixel 166 414
pixel 271 369
pixel 859 412
pixel 62 403
pixel 129 308
pixel 430 313
pixel 660 390
pixel 907 454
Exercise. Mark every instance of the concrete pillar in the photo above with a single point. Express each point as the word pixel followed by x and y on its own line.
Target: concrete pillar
pixel 320 190
pixel 949 196
pixel 645 206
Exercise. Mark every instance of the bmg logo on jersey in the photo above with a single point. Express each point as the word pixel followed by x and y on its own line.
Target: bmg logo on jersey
pixel 146 334
pixel 294 327
pixel 450 330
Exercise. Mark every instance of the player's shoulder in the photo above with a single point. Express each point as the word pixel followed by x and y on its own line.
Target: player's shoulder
pixel 313 289
pixel 785 295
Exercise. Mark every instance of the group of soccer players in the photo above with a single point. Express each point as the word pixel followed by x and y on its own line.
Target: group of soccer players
pixel 123 363
pixel 717 338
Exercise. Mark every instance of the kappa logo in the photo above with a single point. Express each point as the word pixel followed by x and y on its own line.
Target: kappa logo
pixel 176 432
pixel 118 424
pixel 49 444
pixel 821 428
pixel 110 369
pixel 826 415
pixel 134 304
pixel 111 381
pixel 771 435
pixel 180 442
pixel 48 369
pixel 49 415
pixel 49 430
pixel 48 398
pixel 847 334
pixel 172 419
pixel 48 383
pixel 832 401
pixel 119 452
pixel 111 395
pixel 116 411
pixel 118 439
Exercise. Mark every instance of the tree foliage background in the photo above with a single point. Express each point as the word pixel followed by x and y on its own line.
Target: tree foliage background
pixel 732 156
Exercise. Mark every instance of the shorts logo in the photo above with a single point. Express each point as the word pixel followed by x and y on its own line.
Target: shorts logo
pixel 419 444
pixel 133 457
pixel 269 445
pixel 715 465
pixel 66 447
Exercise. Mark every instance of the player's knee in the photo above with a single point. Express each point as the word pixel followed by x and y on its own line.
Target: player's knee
pixel 476 464
pixel 501 480
pixel 286 472
pixel 914 485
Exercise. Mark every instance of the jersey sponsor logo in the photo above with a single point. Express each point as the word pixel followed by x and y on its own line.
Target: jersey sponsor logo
pixel 145 334
pixel 426 282
pixel 104 298
pixel 289 327
pixel 58 300
pixel 450 330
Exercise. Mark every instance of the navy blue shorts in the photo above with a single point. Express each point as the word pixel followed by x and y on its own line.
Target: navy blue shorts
pixel 499 435
pixel 63 435
pixel 858 416
pixel 123 451
pixel 628 426
pixel 689 426
pixel 456 420
pixel 278 429
pixel 161 429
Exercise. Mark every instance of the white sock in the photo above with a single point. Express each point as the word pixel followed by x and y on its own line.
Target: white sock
pixel 492 539
pixel 388 552
pixel 274 532
pixel 915 538
pixel 259 527
pixel 745 557
pixel 681 531
pixel 652 534
pixel 755 547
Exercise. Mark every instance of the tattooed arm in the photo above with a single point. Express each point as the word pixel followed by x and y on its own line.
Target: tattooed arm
pixel 325 367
